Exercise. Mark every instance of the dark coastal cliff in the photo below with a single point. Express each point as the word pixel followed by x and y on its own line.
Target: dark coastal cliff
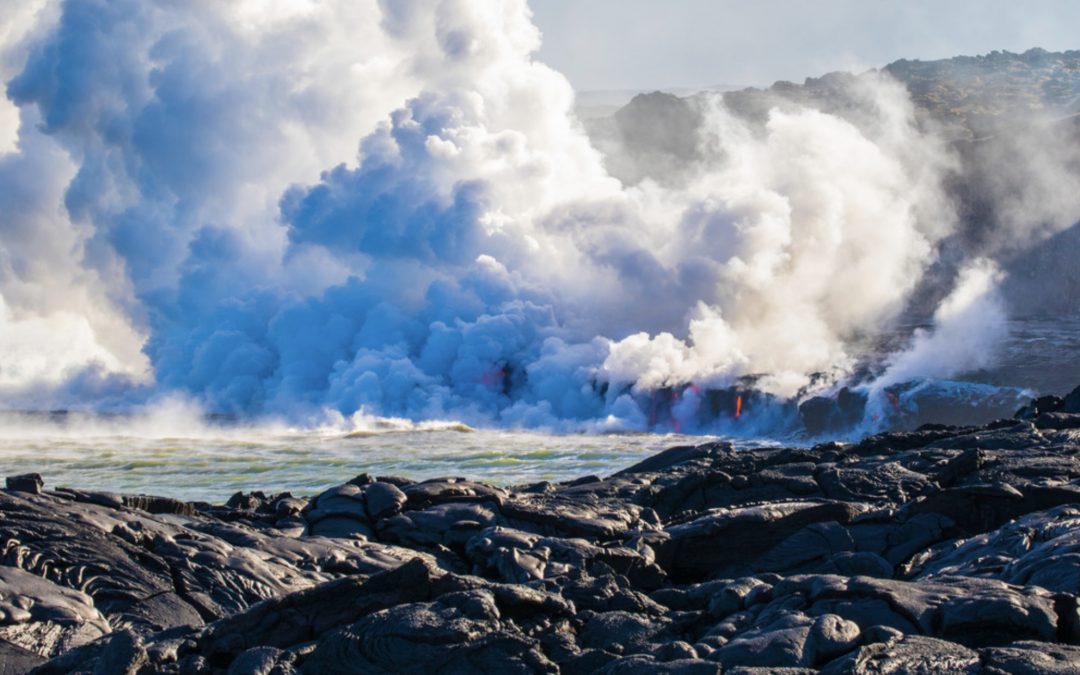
pixel 969 97
pixel 1011 123
pixel 947 549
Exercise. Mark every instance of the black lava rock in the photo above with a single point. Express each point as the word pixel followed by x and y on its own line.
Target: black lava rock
pixel 27 482
pixel 946 549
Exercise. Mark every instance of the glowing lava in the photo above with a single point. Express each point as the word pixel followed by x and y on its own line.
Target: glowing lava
pixel 493 377
pixel 893 399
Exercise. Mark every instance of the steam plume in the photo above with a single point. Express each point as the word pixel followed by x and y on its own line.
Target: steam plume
pixel 390 207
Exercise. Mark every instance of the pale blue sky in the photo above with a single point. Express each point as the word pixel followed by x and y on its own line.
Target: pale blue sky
pixel 642 44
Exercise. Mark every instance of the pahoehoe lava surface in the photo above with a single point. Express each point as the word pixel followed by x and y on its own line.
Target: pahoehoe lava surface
pixel 946 549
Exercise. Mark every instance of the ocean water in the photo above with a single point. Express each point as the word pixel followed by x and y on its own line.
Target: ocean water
pixel 174 452
pixel 214 463
pixel 1041 353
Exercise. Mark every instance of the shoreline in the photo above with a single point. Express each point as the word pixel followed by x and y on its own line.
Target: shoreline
pixel 950 549
pixel 212 470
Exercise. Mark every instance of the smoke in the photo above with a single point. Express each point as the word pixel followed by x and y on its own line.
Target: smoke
pixel 19 21
pixel 1031 170
pixel 149 127
pixel 813 231
pixel 61 327
pixel 313 209
pixel 969 327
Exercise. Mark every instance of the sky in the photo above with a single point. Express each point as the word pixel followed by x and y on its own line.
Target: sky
pixel 646 44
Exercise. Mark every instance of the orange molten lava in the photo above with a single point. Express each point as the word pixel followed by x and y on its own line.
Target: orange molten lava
pixel 894 399
pixel 493 377
pixel 738 406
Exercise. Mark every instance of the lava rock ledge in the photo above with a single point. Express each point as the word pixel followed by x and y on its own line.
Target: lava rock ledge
pixel 943 550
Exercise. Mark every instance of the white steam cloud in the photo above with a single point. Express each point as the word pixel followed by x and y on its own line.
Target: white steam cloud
pixel 813 233
pixel 200 223
pixel 968 327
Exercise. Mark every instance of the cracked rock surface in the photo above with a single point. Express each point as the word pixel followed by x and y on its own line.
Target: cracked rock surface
pixel 947 549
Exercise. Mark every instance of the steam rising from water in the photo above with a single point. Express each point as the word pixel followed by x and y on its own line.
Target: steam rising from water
pixel 389 208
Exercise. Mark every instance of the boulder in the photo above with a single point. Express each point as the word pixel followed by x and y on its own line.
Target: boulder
pixel 383 500
pixel 27 482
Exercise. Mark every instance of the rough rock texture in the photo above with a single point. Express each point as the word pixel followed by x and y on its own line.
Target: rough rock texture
pixel 941 550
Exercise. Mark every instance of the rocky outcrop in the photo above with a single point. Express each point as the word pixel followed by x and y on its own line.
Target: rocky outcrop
pixel 947 549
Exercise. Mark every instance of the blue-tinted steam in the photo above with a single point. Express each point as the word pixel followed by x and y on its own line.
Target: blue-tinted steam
pixel 475 261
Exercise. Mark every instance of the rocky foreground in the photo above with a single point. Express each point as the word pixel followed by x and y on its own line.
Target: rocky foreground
pixel 944 550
